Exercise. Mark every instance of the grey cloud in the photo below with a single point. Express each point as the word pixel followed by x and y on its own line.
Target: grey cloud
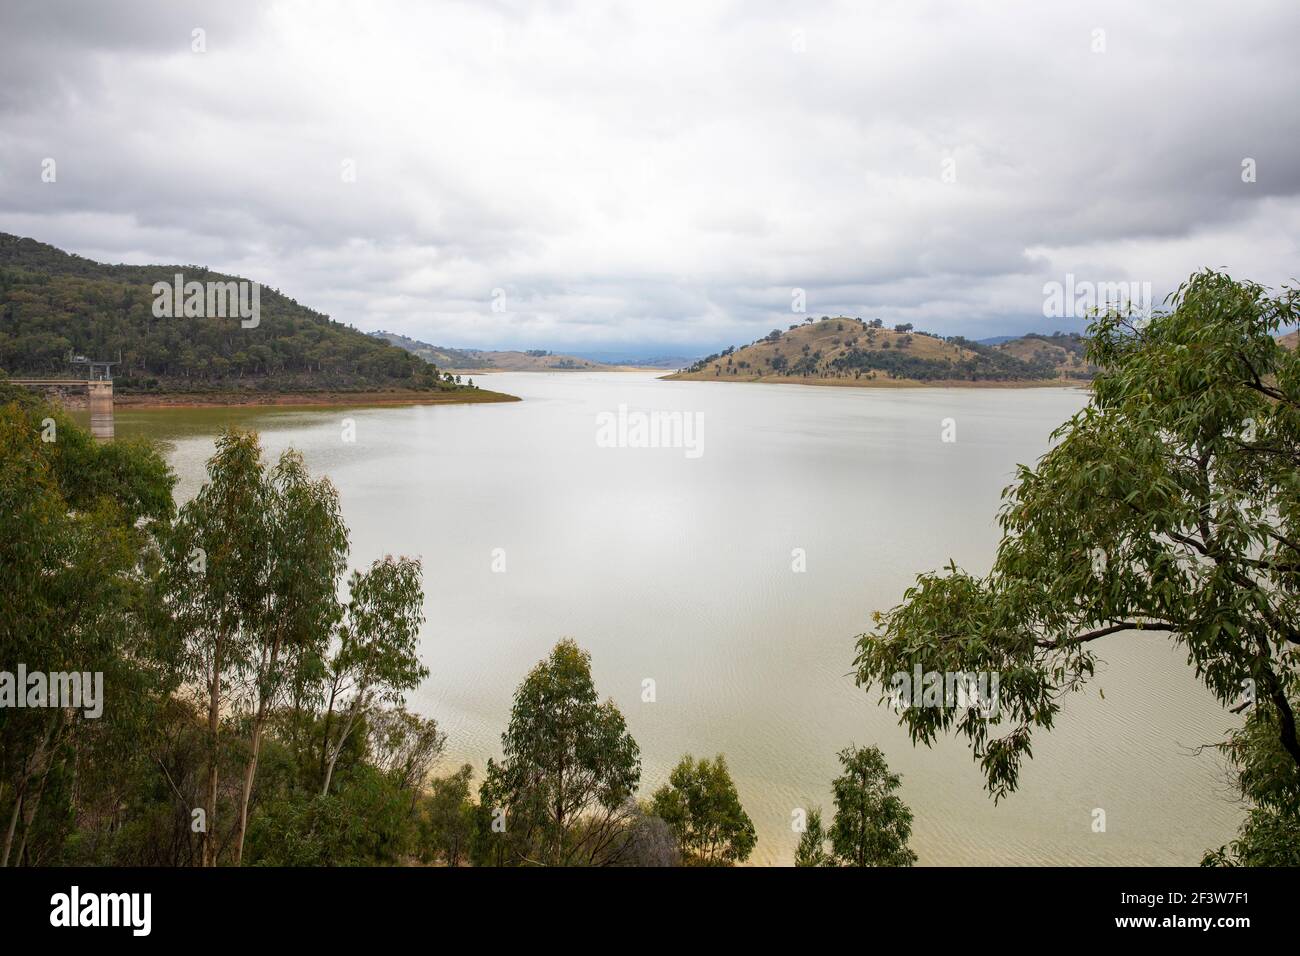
pixel 657 173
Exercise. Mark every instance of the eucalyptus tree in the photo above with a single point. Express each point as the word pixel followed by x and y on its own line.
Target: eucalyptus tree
pixel 375 659
pixel 700 803
pixel 252 566
pixel 1266 780
pixel 871 825
pixel 445 820
pixel 1169 505
pixel 306 553
pixel 563 793
pixel 213 580
pixel 812 842
pixel 77 524
pixel 405 746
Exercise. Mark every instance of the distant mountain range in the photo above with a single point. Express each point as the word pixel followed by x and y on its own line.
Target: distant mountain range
pixel 470 360
pixel 848 351
pixel 623 359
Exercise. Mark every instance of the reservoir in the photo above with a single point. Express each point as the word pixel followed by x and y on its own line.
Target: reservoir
pixel 735 575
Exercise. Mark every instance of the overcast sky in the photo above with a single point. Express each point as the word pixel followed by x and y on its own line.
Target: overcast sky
pixel 659 176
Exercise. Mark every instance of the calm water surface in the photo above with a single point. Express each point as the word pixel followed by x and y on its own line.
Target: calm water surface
pixel 679 570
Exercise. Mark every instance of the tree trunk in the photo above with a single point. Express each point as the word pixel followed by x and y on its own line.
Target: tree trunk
pixel 249 773
pixel 259 722
pixel 13 825
pixel 214 730
pixel 29 814
pixel 325 736
pixel 353 714
pixel 37 763
pixel 329 770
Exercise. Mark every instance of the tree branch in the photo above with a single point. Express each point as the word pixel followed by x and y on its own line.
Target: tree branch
pixel 1108 630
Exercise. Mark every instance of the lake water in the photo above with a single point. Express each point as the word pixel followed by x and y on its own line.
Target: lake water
pixel 678 569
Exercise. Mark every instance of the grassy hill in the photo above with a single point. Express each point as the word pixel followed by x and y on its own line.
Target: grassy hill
pixel 470 360
pixel 846 351
pixel 53 303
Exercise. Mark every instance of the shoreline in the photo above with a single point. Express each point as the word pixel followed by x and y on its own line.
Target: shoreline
pixel 876 383
pixel 309 399
pixel 538 371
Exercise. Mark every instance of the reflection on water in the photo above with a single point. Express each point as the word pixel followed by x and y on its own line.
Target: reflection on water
pixel 679 569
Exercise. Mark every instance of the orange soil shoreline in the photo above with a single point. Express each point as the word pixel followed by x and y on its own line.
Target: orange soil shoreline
pixel 874 383
pixel 311 399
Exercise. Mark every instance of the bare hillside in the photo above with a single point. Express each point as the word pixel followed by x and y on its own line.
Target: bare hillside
pixel 848 351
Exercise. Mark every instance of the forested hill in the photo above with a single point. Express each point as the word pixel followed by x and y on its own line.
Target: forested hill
pixel 52 302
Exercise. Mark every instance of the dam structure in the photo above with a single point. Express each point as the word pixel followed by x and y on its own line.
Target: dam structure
pixel 97 379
